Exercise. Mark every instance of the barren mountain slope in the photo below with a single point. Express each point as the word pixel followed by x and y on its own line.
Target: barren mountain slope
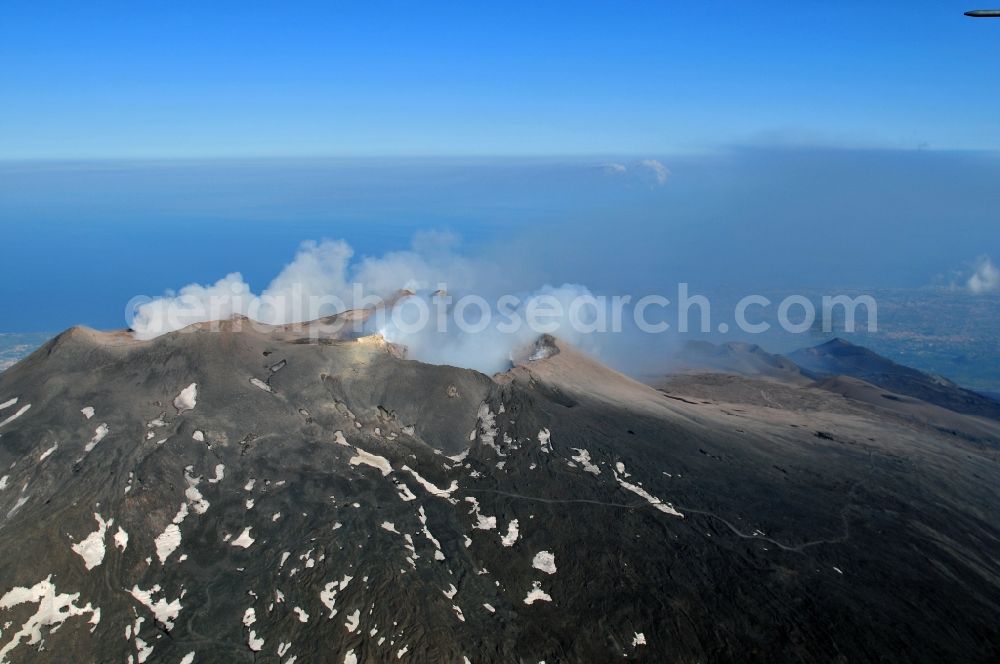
pixel 245 496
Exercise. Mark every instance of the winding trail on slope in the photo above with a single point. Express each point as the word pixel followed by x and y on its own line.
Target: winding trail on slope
pixel 558 500
pixel 797 548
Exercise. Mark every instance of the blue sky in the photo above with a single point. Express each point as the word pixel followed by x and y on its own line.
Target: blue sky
pixel 144 146
pixel 91 80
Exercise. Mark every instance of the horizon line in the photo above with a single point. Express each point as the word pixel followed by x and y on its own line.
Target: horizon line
pixel 512 156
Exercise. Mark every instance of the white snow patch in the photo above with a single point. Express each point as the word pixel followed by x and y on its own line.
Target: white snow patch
pixel 244 540
pixel 18 505
pixel 459 458
pixel 489 607
pixel 404 493
pixel 92 548
pixel 253 642
pixel 53 609
pixel 487 427
pixel 220 474
pixel 391 527
pixel 8 403
pixel 3 482
pixel 47 453
pixel 193 495
pixel 99 433
pixel 168 541
pixel 432 488
pixel 143 650
pixel 303 616
pixel 88 412
pixel 583 458
pixel 512 534
pixel 639 639
pixel 19 413
pixel 372 460
pixel 482 522
pixel 198 436
pixel 438 554
pixel 536 594
pixel 163 611
pixel 187 399
pixel 181 514
pixel 666 508
pixel 544 440
pixel 121 539
pixel 259 384
pixel 329 593
pixel 188 658
pixel 544 561
pixel 353 620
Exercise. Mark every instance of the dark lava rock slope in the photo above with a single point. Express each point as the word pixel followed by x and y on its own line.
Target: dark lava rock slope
pixel 238 496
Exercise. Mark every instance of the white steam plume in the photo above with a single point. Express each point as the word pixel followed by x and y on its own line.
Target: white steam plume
pixel 324 278
pixel 318 282
pixel 491 348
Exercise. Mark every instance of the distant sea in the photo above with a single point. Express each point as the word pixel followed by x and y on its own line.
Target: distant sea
pixel 17 345
pixel 80 239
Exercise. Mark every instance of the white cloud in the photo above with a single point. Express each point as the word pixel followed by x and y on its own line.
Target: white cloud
pixel 648 171
pixel 985 277
pixel 659 172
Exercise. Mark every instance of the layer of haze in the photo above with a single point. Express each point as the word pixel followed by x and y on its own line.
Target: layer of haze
pixel 82 238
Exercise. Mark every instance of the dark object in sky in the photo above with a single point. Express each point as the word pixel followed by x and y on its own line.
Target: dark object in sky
pixel 984 13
